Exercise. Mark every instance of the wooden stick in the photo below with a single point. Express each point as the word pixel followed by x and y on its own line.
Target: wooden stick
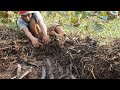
pixel 33 64
pixel 26 73
pixel 77 71
pixel 60 69
pixel 4 48
pixel 14 77
pixel 22 41
pixel 51 76
pixel 72 77
pixel 43 72
pixel 65 75
pixel 18 70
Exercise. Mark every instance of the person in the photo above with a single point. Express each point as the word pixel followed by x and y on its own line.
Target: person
pixel 32 23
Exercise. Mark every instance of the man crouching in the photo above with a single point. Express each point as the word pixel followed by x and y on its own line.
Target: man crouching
pixel 32 23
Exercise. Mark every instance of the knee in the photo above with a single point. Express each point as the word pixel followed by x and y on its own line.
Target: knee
pixel 32 23
pixel 59 30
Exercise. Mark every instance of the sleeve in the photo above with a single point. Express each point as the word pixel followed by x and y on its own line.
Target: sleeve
pixel 20 24
pixel 38 16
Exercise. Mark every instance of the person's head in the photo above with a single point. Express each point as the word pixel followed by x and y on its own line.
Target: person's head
pixel 26 15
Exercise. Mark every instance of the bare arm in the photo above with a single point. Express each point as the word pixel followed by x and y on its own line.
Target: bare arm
pixel 28 33
pixel 43 27
pixel 44 30
pixel 40 21
pixel 33 39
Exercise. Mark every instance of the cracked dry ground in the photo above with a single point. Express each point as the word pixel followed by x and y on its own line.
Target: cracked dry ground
pixel 73 58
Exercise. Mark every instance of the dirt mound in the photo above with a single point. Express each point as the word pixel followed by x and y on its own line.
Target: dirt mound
pixel 63 58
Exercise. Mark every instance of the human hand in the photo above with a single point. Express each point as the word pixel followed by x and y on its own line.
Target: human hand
pixel 46 39
pixel 35 42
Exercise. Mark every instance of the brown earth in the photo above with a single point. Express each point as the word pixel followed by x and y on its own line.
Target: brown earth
pixel 72 58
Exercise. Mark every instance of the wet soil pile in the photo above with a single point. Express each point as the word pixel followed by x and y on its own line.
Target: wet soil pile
pixel 63 58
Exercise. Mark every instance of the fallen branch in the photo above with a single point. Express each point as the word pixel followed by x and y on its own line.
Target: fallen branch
pixel 18 70
pixel 43 72
pixel 26 61
pixel 26 73
pixel 65 75
pixel 33 64
pixel 60 69
pixel 51 76
pixel 71 55
pixel 77 71
pixel 90 68
pixel 92 72
pixel 5 48
pixel 22 41
pixel 72 77
pixel 71 63
pixel 14 77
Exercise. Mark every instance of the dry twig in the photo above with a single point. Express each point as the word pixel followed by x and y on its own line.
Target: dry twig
pixel 26 73
pixel 43 72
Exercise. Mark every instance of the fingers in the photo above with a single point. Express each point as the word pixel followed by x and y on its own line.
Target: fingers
pixel 37 44
pixel 46 40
